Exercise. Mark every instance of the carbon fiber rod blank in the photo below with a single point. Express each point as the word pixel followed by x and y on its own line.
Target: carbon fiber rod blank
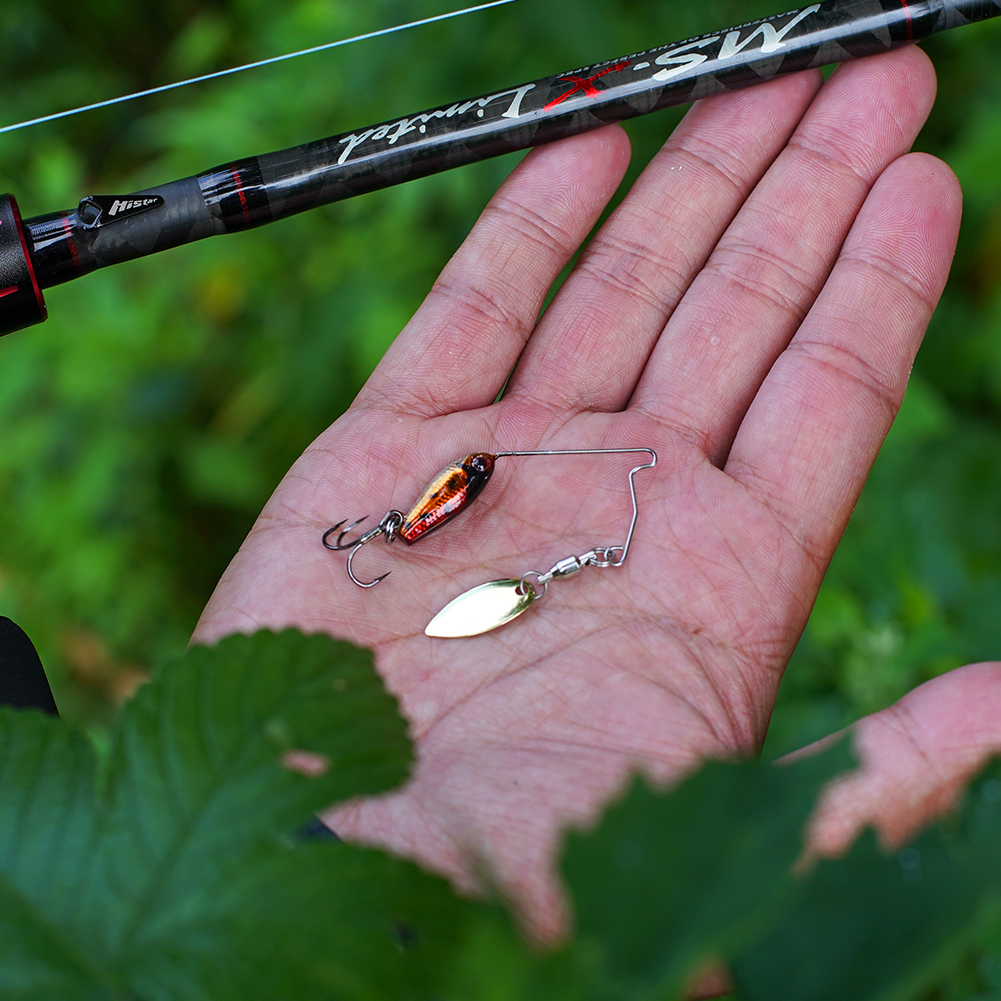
pixel 105 230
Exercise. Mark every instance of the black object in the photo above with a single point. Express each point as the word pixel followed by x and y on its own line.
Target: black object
pixel 23 684
pixel 107 229
pixel 21 302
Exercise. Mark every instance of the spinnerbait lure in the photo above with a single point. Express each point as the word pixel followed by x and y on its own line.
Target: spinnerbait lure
pixel 448 494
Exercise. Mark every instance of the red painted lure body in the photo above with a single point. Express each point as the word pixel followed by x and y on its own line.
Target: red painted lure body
pixel 448 494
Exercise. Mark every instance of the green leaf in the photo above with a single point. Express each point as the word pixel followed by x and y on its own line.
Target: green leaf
pixel 870 927
pixel 668 881
pixel 136 878
pixel 878 926
pixel 318 922
pixel 47 820
pixel 495 965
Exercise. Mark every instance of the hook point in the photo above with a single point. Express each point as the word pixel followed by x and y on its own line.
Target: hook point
pixel 340 543
pixel 351 572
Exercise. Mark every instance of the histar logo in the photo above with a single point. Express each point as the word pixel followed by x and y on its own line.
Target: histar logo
pixel 681 59
pixel 131 204
pixel 95 211
pixel 395 131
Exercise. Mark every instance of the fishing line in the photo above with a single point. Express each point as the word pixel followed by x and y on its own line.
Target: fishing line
pixel 250 66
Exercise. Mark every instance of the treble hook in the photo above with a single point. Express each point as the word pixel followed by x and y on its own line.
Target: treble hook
pixel 386 528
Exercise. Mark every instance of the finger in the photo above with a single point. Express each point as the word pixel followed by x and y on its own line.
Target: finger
pixel 769 266
pixel 916 758
pixel 462 343
pixel 596 335
pixel 810 436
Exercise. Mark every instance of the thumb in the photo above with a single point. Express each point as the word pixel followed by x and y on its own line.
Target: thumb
pixel 916 759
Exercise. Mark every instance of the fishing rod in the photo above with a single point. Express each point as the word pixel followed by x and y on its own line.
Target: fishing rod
pixel 48 250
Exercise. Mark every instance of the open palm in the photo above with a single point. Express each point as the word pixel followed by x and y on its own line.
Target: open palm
pixel 750 311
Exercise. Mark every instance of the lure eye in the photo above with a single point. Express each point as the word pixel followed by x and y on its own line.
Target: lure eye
pixel 481 462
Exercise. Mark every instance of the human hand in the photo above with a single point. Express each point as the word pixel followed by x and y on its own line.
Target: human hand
pixel 751 312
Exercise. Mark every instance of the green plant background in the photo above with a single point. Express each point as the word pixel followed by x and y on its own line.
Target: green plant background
pixel 144 425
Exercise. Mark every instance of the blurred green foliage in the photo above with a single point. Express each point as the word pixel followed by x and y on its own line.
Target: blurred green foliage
pixel 146 423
